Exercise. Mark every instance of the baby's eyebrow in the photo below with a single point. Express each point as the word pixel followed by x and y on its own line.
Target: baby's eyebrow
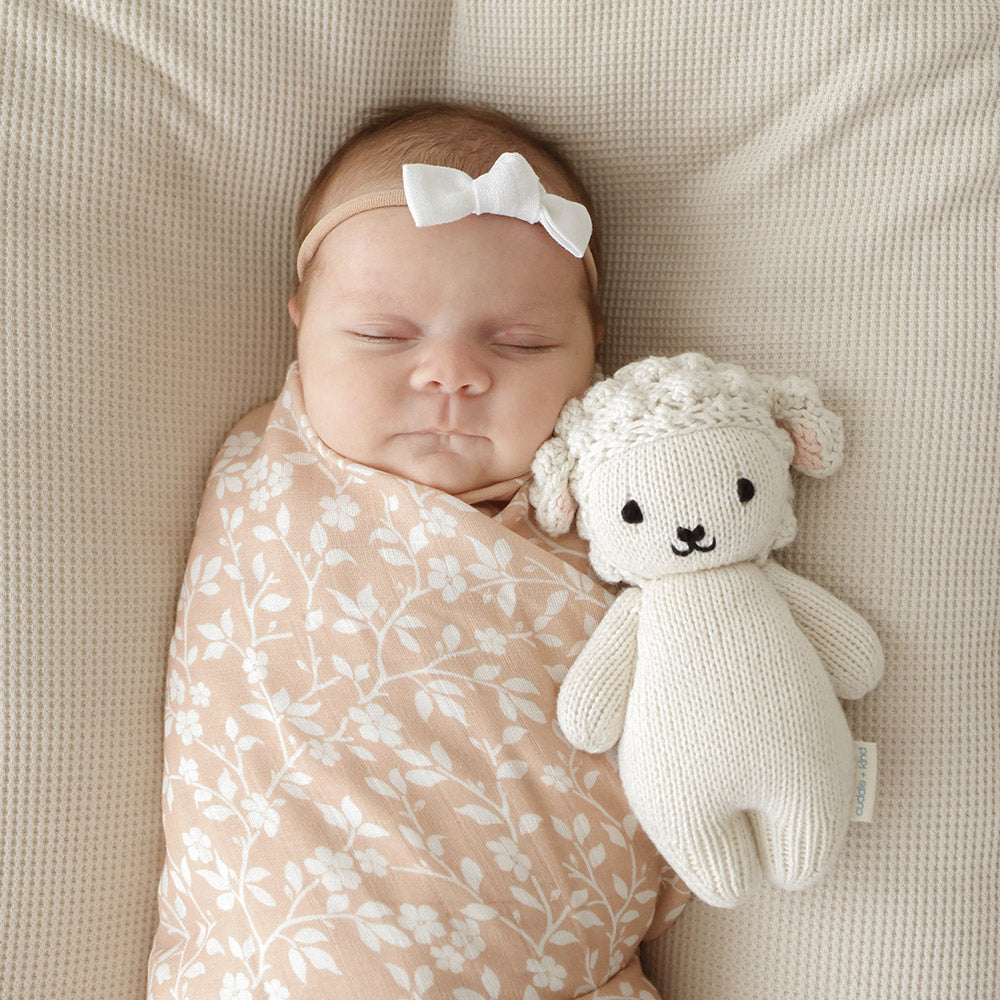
pixel 370 306
pixel 364 317
pixel 539 315
pixel 524 326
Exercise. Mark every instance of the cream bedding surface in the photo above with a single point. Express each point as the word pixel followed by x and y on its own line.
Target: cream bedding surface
pixel 808 187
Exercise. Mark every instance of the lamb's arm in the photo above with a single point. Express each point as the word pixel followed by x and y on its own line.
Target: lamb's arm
pixel 849 649
pixel 592 700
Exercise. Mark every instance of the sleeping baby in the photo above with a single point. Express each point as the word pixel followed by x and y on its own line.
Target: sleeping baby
pixel 365 792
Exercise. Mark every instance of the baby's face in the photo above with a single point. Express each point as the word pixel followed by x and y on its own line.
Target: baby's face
pixel 442 354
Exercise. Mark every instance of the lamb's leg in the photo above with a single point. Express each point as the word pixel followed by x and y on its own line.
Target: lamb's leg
pixel 798 847
pixel 715 856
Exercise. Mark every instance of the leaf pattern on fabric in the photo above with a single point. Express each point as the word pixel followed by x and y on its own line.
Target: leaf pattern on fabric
pixel 365 791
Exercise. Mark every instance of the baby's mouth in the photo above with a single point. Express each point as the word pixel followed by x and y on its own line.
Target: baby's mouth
pixel 442 439
pixel 443 432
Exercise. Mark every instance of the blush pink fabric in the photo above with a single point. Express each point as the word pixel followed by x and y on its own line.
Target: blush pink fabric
pixel 365 791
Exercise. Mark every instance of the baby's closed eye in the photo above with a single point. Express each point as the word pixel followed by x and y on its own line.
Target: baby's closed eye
pixel 528 348
pixel 525 341
pixel 381 336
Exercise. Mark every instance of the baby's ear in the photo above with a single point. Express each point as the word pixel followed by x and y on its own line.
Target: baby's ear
pixel 816 432
pixel 549 492
pixel 294 311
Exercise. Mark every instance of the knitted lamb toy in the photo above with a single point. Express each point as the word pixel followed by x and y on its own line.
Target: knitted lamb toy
pixel 716 670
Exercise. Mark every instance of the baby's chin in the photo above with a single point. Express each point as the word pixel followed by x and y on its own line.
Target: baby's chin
pixel 455 482
pixel 452 473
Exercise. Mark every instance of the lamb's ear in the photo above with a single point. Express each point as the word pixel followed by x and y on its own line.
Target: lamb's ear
pixel 816 432
pixel 549 492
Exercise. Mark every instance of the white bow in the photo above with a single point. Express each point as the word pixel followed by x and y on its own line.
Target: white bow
pixel 436 195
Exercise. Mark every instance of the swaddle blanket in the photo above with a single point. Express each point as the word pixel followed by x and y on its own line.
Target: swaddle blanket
pixel 365 791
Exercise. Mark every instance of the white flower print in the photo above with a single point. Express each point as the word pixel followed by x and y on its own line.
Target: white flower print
pixel 255 665
pixel 377 725
pixel 509 858
pixel 372 862
pixel 491 641
pixel 274 989
pixel 421 921
pixel 339 512
pixel 445 575
pixel 466 937
pixel 230 482
pixel 556 777
pixel 188 770
pixel 175 688
pixel 198 844
pixel 188 727
pixel 235 987
pixel 280 478
pixel 447 958
pixel 257 472
pixel 258 499
pixel 336 871
pixel 260 815
pixel 239 445
pixel 549 974
pixel 325 753
pixel 200 695
pixel 264 485
pixel 437 521
pixel 229 471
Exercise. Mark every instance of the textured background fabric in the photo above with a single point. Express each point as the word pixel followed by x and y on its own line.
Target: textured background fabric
pixel 807 187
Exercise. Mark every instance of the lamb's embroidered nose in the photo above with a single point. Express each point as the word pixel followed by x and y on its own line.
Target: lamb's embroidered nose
pixel 691 536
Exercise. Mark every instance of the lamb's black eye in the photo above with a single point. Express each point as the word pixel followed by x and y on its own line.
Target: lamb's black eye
pixel 631 513
pixel 745 489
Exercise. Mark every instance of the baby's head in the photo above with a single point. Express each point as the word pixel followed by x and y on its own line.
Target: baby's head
pixel 444 352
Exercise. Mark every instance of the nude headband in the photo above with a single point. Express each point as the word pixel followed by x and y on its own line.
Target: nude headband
pixel 436 195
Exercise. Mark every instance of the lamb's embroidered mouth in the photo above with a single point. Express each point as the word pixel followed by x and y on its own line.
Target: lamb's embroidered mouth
pixel 691 537
pixel 693 547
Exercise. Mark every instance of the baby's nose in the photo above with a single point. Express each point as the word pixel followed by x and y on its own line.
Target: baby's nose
pixel 452 369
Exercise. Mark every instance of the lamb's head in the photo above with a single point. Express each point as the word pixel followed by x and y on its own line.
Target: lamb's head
pixel 677 464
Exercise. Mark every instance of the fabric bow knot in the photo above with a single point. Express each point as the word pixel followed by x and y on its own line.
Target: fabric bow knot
pixel 436 195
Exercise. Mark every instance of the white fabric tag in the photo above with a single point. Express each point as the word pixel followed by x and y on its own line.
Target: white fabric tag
pixel 866 777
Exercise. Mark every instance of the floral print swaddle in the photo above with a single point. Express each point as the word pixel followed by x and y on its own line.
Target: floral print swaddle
pixel 365 791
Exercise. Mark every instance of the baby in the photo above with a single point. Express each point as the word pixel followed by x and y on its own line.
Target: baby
pixel 365 791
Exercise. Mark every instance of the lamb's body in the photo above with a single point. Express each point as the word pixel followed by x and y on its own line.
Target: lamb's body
pixel 733 732
pixel 717 671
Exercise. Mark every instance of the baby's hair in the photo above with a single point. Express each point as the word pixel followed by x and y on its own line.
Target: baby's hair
pixel 464 136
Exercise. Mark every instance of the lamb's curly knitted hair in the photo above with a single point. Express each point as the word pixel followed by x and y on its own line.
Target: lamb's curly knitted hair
pixel 670 396
pixel 665 396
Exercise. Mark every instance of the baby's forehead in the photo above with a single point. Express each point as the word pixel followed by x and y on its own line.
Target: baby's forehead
pixel 381 255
